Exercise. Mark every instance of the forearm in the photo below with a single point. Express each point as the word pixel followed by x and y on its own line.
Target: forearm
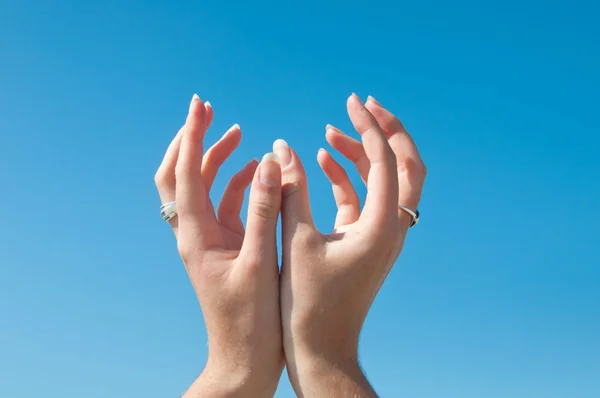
pixel 207 388
pixel 212 384
pixel 328 377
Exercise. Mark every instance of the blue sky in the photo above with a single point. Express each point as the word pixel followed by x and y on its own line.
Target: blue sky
pixel 497 292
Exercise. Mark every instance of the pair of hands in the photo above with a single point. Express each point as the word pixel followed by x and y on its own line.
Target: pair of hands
pixel 310 316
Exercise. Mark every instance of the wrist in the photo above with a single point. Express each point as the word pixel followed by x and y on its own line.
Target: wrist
pixel 218 381
pixel 321 374
pixel 321 363
pixel 317 346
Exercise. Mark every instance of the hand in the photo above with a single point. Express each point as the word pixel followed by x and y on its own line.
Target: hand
pixel 328 282
pixel 234 272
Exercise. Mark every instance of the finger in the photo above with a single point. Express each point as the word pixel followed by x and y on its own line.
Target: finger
pixel 393 129
pixel 209 114
pixel 351 149
pixel 345 196
pixel 165 176
pixel 382 196
pixel 218 153
pixel 295 206
pixel 193 205
pixel 263 209
pixel 410 167
pixel 233 198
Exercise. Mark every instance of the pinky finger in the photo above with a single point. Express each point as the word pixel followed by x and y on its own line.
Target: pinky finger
pixel 233 198
pixel 345 196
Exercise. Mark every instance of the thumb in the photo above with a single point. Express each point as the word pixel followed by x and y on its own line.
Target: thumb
pixel 295 206
pixel 263 211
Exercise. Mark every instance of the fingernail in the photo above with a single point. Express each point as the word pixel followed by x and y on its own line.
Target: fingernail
pixel 207 103
pixel 230 130
pixel 334 129
pixel 194 99
pixel 373 100
pixel 282 149
pixel 358 101
pixel 254 162
pixel 270 174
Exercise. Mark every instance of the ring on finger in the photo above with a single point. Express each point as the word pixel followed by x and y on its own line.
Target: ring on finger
pixel 413 213
pixel 168 211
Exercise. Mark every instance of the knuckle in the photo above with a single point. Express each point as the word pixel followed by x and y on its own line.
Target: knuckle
pixel 370 128
pixel 250 264
pixel 291 188
pixel 418 166
pixel 186 251
pixel 356 157
pixel 235 182
pixel 413 164
pixel 160 178
pixel 357 153
pixel 415 167
pixel 307 239
pixel 385 156
pixel 264 210
pixel 212 157
pixel 343 176
pixel 190 251
pixel 253 272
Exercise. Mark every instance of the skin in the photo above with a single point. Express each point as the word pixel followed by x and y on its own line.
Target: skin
pixel 234 271
pixel 328 281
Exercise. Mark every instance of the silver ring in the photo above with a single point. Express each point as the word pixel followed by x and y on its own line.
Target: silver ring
pixel 414 214
pixel 168 211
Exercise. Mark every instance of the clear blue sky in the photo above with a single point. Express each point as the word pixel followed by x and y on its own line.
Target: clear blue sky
pixel 497 293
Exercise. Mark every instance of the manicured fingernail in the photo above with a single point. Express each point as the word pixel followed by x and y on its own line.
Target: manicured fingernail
pixel 373 100
pixel 354 97
pixel 231 129
pixel 269 173
pixel 194 99
pixel 334 129
pixel 282 149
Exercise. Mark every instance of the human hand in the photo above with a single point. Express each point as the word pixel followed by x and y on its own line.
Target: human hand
pixel 328 282
pixel 234 272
